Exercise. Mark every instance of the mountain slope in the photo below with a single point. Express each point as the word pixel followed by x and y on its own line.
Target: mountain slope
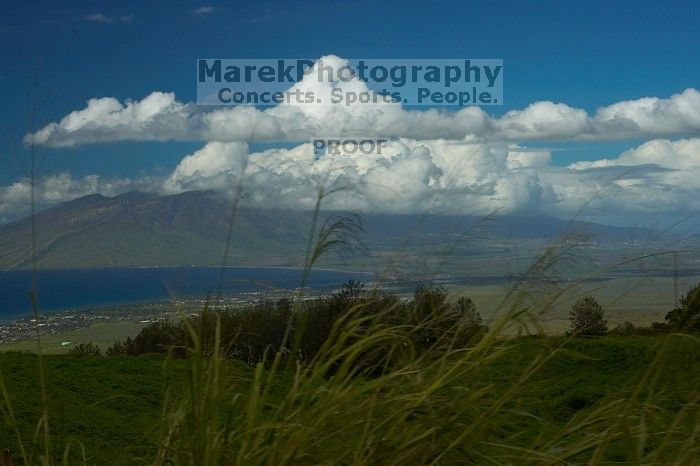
pixel 139 229
pixel 144 229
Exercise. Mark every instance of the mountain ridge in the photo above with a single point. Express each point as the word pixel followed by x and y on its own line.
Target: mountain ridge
pixel 145 229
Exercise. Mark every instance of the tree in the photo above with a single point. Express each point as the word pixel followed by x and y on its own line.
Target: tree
pixel 588 318
pixel 466 310
pixel 85 349
pixel 687 316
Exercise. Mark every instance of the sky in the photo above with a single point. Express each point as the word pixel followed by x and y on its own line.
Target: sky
pixel 601 106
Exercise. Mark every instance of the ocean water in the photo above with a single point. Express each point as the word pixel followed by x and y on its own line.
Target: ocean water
pixel 80 289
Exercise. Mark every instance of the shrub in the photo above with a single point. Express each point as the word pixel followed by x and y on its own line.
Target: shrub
pixel 85 349
pixel 659 326
pixel 588 318
pixel 122 348
pixel 687 315
pixel 157 337
pixel 627 328
pixel 624 328
pixel 431 314
pixel 256 333
pixel 466 309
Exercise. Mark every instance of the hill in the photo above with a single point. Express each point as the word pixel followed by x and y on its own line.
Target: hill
pixel 140 229
pixel 113 405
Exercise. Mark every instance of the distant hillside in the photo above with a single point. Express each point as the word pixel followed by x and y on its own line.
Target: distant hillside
pixel 496 226
pixel 138 229
pixel 145 229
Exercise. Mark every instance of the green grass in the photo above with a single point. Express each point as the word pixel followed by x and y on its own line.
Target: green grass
pixel 109 406
pixel 113 406
pixel 593 371
pixel 102 334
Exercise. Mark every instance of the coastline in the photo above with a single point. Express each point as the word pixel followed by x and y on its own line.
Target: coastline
pixel 88 288
pixel 16 333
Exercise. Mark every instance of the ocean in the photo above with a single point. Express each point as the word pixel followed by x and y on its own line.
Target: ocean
pixel 80 289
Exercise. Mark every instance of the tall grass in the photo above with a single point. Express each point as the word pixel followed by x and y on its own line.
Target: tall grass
pixel 372 395
pixel 429 405
pixel 41 451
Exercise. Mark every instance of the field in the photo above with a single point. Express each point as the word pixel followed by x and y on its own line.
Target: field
pixel 103 334
pixel 640 300
pixel 111 407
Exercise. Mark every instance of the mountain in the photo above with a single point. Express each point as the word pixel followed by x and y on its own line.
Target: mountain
pixel 140 229
pixel 516 227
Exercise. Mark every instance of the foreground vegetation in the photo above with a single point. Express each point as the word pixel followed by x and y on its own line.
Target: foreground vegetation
pixel 108 410
pixel 360 378
pixel 573 401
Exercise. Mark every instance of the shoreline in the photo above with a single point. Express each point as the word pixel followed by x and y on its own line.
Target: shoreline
pixel 190 266
pixel 64 321
pixel 201 283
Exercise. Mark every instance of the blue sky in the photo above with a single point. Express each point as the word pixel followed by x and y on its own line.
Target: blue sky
pixel 581 53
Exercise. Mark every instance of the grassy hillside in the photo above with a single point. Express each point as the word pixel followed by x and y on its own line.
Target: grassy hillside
pixel 113 405
pixel 110 406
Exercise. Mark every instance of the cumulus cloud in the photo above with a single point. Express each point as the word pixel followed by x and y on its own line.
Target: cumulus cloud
pixel 156 117
pixel 679 154
pixel 462 161
pixel 216 161
pixel 407 176
pixel 659 175
pixel 543 120
pixel 159 116
pixel 438 176
pixel 679 114
pixel 521 157
pixel 450 177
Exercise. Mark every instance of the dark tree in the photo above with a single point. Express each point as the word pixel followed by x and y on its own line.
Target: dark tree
pixel 588 318
pixel 687 315
pixel 466 310
pixel 85 349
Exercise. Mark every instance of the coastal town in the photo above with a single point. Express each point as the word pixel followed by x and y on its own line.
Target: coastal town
pixel 60 322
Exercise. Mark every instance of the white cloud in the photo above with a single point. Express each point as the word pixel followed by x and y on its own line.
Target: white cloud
pixel 159 116
pixel 102 18
pixel 658 176
pixel 680 154
pixel 520 157
pixel 408 176
pixel 204 10
pixel 156 117
pixel 216 160
pixel 653 116
pixel 97 18
pixel 438 176
pixel 543 120
pixel 455 177
pixel 463 161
